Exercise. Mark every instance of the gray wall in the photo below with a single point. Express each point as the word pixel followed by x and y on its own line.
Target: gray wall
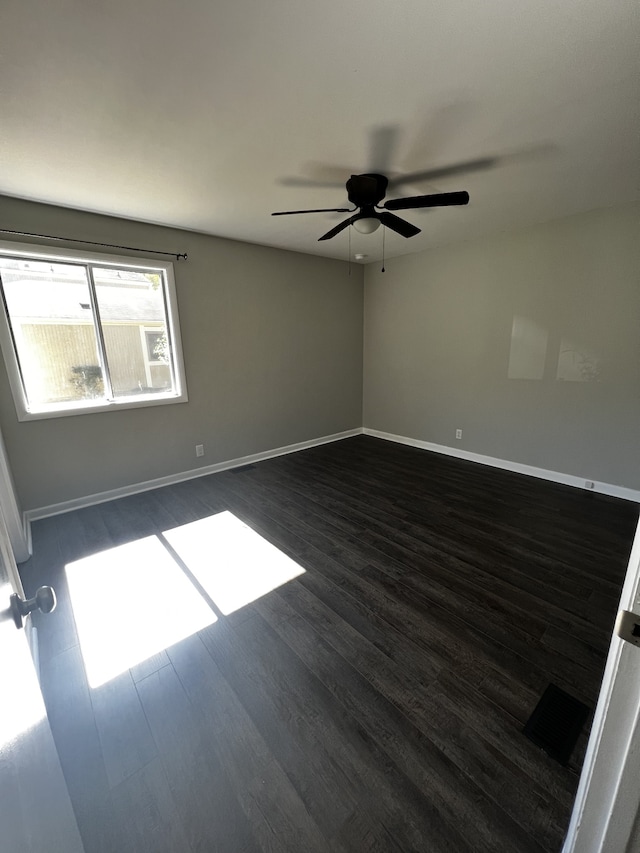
pixel 438 346
pixel 272 343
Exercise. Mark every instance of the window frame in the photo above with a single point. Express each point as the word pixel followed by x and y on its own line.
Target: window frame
pixel 24 251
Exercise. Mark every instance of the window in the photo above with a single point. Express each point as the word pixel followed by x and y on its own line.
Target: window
pixel 85 333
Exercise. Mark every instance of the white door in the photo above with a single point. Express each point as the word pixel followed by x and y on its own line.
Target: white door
pixel 605 816
pixel 35 810
pixel 10 509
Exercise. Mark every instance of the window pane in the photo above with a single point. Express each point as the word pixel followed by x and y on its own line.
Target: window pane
pixel 52 325
pixel 134 326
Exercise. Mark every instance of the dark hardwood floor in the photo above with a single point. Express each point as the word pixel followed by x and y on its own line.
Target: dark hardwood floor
pixel 375 702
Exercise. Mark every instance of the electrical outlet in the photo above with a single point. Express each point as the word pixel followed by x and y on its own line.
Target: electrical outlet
pixel 199 449
pixel 458 433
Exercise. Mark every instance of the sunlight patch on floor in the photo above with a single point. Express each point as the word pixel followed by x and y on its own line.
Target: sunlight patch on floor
pixel 129 603
pixel 234 564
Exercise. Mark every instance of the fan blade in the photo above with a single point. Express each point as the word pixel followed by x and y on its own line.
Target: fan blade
pixel 315 174
pixel 400 226
pixel 318 210
pixel 344 224
pixel 446 171
pixel 437 129
pixel 310 182
pixel 437 200
pixel 383 142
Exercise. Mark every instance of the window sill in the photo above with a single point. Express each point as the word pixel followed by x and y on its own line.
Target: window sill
pixel 88 408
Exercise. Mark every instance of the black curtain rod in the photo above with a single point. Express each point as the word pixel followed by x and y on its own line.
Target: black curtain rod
pixel 177 256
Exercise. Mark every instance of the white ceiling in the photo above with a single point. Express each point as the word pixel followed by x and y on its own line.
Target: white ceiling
pixel 211 114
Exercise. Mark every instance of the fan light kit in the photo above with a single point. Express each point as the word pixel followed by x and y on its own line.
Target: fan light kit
pixel 367 225
pixel 366 192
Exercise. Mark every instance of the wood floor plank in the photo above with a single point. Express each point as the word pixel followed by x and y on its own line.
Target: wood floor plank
pixel 127 743
pixel 296 730
pixel 148 819
pixel 200 787
pixel 276 812
pixel 336 767
pixel 150 665
pixel 406 681
pixel 70 713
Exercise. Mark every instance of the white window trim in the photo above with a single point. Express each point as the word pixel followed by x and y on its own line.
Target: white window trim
pixel 55 410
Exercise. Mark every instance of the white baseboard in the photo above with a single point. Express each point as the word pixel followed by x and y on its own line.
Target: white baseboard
pixel 517 467
pixel 135 488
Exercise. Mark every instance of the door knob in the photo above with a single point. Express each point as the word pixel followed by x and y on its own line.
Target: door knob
pixel 44 600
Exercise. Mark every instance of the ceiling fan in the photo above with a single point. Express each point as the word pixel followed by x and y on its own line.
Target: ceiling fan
pixel 366 192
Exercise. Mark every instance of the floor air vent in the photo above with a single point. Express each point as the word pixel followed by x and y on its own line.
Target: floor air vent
pixel 556 723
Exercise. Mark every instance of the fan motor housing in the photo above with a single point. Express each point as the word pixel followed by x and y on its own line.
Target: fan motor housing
pixel 366 190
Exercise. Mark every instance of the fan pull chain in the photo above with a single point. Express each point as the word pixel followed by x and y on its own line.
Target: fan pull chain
pixel 383 233
pixel 349 249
